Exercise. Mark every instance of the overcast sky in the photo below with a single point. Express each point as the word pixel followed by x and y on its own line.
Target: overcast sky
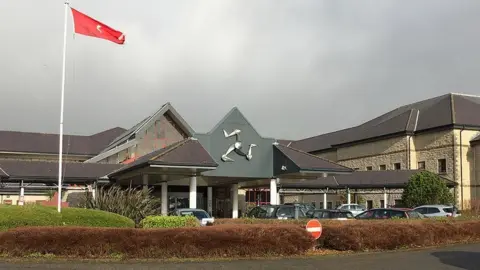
pixel 295 68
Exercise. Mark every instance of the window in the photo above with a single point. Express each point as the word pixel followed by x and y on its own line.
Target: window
pixel 329 205
pixel 442 165
pixel 397 166
pixel 383 167
pixel 369 168
pixel 433 210
pixel 356 169
pixel 421 165
pixel 369 204
pixel 321 205
pixel 382 203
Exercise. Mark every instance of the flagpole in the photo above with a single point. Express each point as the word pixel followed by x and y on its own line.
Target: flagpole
pixel 60 146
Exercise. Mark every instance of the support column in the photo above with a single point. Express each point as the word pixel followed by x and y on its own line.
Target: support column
pixel 193 192
pixel 273 191
pixel 235 201
pixel 145 181
pixel 325 200
pixel 349 200
pixel 21 200
pixel 210 200
pixel 278 198
pixel 94 190
pixel 164 198
pixel 385 198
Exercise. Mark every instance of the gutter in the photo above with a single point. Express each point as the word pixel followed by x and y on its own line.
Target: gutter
pixel 461 166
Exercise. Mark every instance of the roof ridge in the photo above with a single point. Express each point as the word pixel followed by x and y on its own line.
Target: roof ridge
pixel 308 154
pixel 465 95
pixel 452 108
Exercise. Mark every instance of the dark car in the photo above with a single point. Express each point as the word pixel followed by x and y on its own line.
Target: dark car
pixel 305 206
pixel 387 213
pixel 276 212
pixel 330 214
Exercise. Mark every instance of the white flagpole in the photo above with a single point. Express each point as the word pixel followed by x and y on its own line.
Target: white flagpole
pixel 60 148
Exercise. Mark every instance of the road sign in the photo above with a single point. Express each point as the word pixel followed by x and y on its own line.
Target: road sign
pixel 315 228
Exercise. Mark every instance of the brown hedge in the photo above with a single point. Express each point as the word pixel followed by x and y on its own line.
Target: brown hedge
pixel 358 235
pixel 221 241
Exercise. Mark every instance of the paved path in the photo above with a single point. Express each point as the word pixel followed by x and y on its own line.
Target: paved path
pixel 455 257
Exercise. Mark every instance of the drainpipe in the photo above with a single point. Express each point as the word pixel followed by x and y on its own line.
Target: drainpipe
pixel 408 152
pixel 461 166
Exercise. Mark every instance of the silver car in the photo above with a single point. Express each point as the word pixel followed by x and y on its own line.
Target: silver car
pixel 355 209
pixel 200 214
pixel 437 210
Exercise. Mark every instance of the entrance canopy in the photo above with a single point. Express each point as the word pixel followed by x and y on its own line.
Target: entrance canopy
pixel 177 161
pixel 393 179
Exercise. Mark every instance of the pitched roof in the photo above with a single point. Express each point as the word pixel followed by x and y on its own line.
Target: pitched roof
pixel 132 132
pixel 45 171
pixel 441 111
pixel 302 161
pixel 29 142
pixel 186 153
pixel 361 179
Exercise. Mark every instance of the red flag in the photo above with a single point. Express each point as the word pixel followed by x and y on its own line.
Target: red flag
pixel 90 27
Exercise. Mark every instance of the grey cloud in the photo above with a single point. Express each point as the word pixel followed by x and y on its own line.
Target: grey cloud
pixel 294 68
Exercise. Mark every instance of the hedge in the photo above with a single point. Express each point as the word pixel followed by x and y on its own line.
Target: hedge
pixel 169 222
pixel 34 215
pixel 199 242
pixel 362 235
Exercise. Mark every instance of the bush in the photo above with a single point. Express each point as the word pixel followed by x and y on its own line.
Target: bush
pixel 169 222
pixel 34 215
pixel 221 241
pixel 389 235
pixel 134 203
pixel 94 218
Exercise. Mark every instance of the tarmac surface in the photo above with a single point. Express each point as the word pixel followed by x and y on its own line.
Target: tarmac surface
pixel 453 257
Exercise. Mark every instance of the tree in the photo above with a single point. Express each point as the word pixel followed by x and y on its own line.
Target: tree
pixel 426 188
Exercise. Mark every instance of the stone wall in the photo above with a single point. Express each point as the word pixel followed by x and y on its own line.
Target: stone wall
pixel 383 152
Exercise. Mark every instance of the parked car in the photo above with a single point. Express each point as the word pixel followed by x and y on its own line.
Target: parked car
pixel 277 212
pixel 330 214
pixel 305 206
pixel 386 213
pixel 202 215
pixel 354 208
pixel 438 211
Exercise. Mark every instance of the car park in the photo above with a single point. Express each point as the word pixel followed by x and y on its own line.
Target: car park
pixel 438 210
pixel 203 217
pixel 277 212
pixel 354 208
pixel 388 213
pixel 330 214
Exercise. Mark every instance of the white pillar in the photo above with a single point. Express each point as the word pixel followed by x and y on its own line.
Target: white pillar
pixel 385 198
pixel 325 200
pixel 273 191
pixel 22 194
pixel 210 200
pixel 193 192
pixel 164 198
pixel 235 201
pixel 349 200
pixel 145 181
pixel 278 197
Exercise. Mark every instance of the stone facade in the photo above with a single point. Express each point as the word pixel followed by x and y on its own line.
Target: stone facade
pixel 428 148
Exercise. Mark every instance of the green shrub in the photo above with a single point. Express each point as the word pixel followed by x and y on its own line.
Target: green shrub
pixel 169 222
pixel 94 218
pixel 12 216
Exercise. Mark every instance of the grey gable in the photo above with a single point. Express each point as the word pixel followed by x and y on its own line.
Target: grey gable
pixel 143 125
pixel 261 163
